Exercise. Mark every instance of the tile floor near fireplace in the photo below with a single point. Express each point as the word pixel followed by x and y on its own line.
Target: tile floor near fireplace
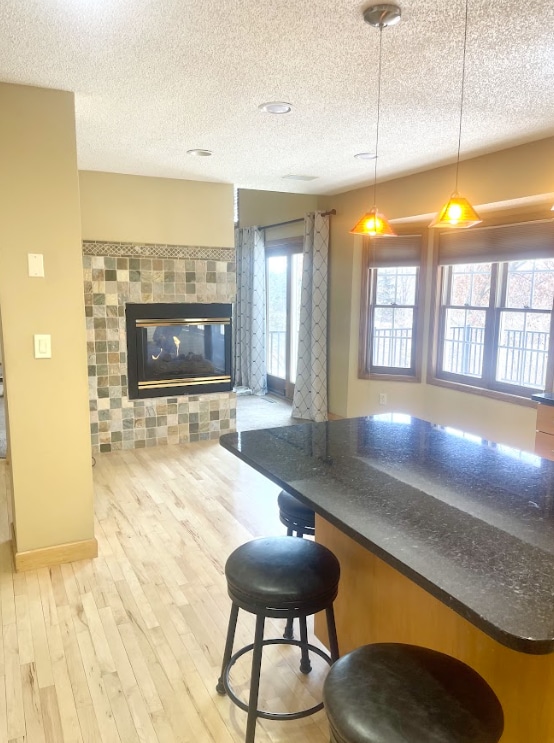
pixel 263 411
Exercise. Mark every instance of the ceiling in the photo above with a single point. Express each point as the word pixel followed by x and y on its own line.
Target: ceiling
pixel 155 78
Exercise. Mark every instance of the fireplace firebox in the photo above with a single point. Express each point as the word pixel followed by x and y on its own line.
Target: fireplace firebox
pixel 178 349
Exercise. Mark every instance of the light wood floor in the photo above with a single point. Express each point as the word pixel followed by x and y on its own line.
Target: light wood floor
pixel 127 647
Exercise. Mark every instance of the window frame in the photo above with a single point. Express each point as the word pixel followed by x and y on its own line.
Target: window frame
pixel 366 370
pixel 490 387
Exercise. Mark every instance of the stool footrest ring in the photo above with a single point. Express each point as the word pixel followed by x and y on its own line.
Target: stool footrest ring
pixel 263 713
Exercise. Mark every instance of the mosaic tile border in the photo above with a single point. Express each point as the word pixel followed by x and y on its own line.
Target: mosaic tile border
pixel 148 250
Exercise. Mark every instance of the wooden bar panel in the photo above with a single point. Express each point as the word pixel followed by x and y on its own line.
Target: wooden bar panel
pixel 376 603
pixel 545 418
pixel 544 445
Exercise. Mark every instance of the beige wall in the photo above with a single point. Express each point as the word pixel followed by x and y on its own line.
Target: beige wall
pixel 47 399
pixel 518 178
pixel 128 208
pixel 269 207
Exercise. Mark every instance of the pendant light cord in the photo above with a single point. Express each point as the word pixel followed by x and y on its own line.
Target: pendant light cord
pixel 462 95
pixel 378 114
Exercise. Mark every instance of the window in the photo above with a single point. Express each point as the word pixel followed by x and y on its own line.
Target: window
pixel 284 281
pixel 390 307
pixel 496 316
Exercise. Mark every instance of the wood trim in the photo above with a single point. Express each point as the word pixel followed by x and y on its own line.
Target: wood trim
pixel 334 417
pixel 364 326
pixel 43 557
pixel 483 392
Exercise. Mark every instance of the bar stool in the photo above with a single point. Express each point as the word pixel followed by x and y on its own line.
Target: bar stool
pixel 394 693
pixel 295 515
pixel 279 577
pixel 299 520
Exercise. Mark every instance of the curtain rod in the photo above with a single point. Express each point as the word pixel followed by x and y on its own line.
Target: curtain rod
pixel 293 221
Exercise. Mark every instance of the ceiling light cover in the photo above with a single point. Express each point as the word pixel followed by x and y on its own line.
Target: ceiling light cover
pixel 457 213
pixel 276 107
pixel 373 224
pixel 200 153
pixel 366 156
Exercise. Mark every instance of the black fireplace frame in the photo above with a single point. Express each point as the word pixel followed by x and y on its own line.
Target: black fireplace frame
pixel 164 311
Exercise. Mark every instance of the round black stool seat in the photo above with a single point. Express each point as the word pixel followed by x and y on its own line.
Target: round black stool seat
pixel 281 577
pixel 295 515
pixel 394 693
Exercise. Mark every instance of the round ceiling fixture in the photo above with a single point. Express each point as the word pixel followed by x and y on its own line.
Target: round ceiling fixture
pixel 366 156
pixel 276 107
pixel 380 16
pixel 200 153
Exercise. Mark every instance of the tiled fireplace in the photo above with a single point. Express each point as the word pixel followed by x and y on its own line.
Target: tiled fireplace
pixel 118 274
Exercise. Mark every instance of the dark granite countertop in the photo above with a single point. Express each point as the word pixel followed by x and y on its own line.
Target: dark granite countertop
pixel 470 521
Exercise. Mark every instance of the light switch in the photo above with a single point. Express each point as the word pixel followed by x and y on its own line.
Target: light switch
pixel 36 264
pixel 43 346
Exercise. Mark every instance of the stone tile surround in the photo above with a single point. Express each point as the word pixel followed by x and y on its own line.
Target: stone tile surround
pixel 116 273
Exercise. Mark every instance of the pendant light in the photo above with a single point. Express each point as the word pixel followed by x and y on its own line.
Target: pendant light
pixel 374 223
pixel 458 213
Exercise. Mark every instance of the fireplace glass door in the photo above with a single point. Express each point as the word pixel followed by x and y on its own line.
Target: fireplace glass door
pixel 179 349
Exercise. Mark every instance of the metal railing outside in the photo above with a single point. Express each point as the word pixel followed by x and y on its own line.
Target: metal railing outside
pixel 392 347
pixel 277 353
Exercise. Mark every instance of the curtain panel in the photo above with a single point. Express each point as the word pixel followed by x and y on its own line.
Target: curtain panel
pixel 249 361
pixel 310 391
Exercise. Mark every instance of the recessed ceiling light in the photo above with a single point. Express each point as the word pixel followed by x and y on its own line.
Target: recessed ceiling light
pixel 301 177
pixel 366 156
pixel 200 153
pixel 276 107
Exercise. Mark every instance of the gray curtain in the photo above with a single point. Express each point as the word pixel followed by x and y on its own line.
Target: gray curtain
pixel 250 317
pixel 310 391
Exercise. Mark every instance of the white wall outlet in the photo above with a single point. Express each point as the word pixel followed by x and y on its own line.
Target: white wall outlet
pixel 382 398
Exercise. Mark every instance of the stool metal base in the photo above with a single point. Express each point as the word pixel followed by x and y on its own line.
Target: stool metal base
pixel 224 685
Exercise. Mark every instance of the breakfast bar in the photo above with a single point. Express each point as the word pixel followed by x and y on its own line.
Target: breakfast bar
pixel 445 540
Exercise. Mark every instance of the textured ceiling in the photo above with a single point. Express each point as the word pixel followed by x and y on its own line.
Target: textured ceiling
pixel 154 78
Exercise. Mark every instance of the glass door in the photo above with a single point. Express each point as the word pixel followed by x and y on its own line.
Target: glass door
pixel 284 282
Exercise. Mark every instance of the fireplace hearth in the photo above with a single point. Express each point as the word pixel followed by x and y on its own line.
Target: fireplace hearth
pixel 178 349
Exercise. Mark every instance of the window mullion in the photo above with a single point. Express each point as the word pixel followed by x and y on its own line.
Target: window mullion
pixel 492 324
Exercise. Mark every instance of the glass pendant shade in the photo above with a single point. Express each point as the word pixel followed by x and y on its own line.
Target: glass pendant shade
pixel 456 213
pixel 374 224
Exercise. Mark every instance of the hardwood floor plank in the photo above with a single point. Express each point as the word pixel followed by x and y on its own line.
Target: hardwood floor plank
pixel 3 709
pixel 100 701
pixel 97 635
pixel 24 634
pixel 120 707
pixel 14 690
pixel 34 727
pixel 141 668
pixel 38 631
pixel 69 719
pixel 53 731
